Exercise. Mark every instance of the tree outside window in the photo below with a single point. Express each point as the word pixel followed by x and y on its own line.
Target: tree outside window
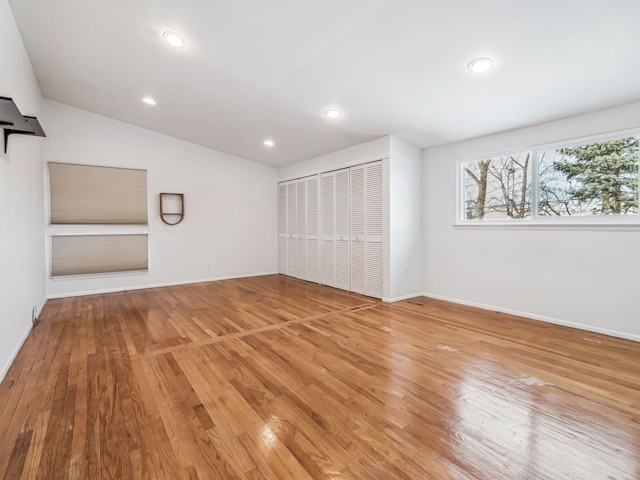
pixel 593 179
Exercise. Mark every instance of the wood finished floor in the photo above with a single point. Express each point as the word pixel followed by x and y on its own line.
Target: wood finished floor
pixel 275 378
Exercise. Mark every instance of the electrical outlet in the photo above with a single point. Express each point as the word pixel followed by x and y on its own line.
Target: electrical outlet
pixel 406 269
pixel 209 268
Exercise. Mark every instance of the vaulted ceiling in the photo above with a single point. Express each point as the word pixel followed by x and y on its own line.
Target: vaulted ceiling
pixel 256 69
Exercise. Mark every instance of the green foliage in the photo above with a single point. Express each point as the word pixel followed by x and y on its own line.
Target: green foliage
pixel 604 173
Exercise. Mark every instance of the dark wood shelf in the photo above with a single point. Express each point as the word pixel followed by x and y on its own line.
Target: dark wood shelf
pixel 13 122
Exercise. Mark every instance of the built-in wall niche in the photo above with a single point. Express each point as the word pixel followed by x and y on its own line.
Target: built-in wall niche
pixel 99 219
pixel 90 195
pixel 13 122
pixel 95 254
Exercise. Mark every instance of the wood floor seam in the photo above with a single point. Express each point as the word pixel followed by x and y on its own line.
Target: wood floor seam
pixel 247 333
pixel 273 378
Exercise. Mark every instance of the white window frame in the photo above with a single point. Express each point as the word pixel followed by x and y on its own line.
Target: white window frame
pixel 611 222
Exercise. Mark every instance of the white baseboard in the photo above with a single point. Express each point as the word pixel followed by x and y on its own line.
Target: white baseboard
pixel 14 354
pixel 541 318
pixel 40 307
pixel 154 285
pixel 16 350
pixel 403 297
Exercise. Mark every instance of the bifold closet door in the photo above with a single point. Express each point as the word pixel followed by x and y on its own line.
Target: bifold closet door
pixel 301 229
pixel 282 228
pixel 358 231
pixel 298 238
pixel 291 230
pixel 374 230
pixel 335 229
pixel 339 244
pixel 312 237
pixel 343 270
pixel 366 229
pixel 328 229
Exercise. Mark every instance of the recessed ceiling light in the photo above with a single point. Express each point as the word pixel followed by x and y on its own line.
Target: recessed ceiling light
pixel 480 65
pixel 331 113
pixel 269 143
pixel 174 39
pixel 149 100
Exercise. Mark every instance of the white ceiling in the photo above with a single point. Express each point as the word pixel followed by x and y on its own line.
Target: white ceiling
pixel 256 69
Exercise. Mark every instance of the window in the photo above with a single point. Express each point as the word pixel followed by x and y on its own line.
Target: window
pixel 498 188
pixel 589 179
pixel 592 179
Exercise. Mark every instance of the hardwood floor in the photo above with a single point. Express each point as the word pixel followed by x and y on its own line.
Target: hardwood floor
pixel 275 378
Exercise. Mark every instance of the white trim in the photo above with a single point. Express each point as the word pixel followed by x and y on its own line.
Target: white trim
pixel 155 285
pixel 541 225
pixel 402 297
pixel 14 354
pixel 580 326
pixel 581 222
pixel 7 366
pixel 59 230
pixel 351 163
pixel 40 307
pixel 561 143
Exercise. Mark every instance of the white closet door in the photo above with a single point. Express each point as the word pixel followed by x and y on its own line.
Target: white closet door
pixel 343 270
pixel 374 229
pixel 328 229
pixel 358 231
pixel 301 229
pixel 291 229
pixel 282 228
pixel 313 250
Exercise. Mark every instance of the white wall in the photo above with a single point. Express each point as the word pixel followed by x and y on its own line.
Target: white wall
pixel 347 157
pixel 22 274
pixel 230 203
pixel 588 278
pixel 402 209
pixel 405 220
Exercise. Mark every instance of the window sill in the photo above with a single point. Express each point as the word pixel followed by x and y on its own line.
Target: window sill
pixel 582 224
pixel 81 276
pixel 63 230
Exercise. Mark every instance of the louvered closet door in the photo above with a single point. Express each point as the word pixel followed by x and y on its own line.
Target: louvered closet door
pixel 374 228
pixel 328 229
pixel 291 229
pixel 301 229
pixel 343 270
pixel 282 228
pixel 313 250
pixel 358 232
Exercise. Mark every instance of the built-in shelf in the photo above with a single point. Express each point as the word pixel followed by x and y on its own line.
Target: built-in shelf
pixel 10 115
pixel 12 121
pixel 172 214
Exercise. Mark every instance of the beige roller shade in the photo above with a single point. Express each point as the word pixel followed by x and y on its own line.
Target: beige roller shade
pixel 87 254
pixel 83 194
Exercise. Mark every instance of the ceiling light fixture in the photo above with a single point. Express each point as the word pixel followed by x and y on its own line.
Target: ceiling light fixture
pixel 174 39
pixel 332 114
pixel 480 65
pixel 269 143
pixel 149 101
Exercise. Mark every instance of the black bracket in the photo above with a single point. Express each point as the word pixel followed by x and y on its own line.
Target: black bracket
pixel 33 125
pixel 12 121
